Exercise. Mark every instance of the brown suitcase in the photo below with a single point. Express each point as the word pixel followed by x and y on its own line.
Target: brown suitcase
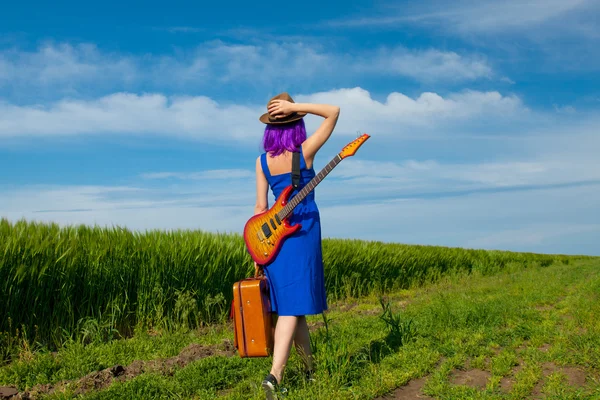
pixel 252 318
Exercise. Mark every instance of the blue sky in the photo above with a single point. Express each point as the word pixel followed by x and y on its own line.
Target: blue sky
pixel 483 116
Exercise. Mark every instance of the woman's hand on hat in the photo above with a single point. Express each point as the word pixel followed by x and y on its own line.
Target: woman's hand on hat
pixel 280 108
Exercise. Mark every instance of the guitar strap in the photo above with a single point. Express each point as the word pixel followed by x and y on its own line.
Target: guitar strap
pixel 296 169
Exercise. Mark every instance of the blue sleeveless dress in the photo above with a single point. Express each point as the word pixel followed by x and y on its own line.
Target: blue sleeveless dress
pixel 296 278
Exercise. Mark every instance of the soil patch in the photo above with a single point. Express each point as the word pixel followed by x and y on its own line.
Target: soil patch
pixel 313 326
pixel 347 307
pixel 372 311
pixel 102 379
pixel 507 382
pixel 575 376
pixel 544 348
pixel 472 377
pixel 410 391
pixel 522 347
pixel 6 392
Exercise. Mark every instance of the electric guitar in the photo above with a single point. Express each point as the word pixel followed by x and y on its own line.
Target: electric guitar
pixel 264 233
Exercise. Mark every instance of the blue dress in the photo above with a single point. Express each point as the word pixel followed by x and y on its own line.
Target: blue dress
pixel 296 278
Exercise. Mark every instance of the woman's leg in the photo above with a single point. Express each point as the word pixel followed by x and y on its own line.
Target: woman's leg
pixel 302 343
pixel 284 335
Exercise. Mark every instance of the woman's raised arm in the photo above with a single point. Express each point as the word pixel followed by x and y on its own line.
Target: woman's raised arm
pixel 282 108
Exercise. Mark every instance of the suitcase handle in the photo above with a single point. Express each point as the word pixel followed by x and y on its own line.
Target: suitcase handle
pixel 258 270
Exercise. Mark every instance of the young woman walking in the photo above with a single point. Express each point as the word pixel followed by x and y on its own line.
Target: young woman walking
pixel 296 279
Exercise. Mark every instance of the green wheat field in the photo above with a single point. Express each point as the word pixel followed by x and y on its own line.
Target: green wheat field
pixel 107 313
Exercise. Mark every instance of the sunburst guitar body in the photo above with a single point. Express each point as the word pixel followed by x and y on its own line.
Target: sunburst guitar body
pixel 265 233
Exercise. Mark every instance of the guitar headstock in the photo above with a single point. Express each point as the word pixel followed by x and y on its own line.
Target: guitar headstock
pixel 351 148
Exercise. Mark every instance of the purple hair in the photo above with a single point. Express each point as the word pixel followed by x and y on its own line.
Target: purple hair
pixel 281 137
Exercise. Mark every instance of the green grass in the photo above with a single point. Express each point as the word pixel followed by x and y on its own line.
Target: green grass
pixel 86 284
pixel 74 359
pixel 511 324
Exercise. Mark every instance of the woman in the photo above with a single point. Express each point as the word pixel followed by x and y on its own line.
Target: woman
pixel 295 277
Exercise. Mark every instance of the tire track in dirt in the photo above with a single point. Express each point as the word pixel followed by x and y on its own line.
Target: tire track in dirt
pixel 412 390
pixel 99 380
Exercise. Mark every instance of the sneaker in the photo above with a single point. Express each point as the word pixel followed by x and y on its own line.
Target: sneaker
pixel 271 388
pixel 309 376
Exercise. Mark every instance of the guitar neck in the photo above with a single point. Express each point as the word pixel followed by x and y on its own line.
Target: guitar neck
pixel 310 186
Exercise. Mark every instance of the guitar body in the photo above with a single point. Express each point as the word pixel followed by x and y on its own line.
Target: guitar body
pixel 265 233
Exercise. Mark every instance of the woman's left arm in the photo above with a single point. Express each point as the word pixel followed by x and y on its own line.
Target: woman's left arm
pixel 262 189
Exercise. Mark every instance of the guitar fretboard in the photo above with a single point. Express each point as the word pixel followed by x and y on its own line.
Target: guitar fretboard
pixel 289 207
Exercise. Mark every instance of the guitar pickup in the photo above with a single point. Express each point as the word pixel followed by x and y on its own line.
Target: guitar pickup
pixel 266 230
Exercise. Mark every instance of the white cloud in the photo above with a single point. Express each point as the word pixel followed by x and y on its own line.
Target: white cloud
pixel 481 16
pixel 562 154
pixel 524 15
pixel 428 105
pixel 77 68
pixel 489 16
pixel 359 180
pixel 400 111
pixel 538 35
pixel 84 68
pixel 203 118
pixel 263 63
pixel 432 172
pixel 428 65
pixel 123 113
pixel 65 65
